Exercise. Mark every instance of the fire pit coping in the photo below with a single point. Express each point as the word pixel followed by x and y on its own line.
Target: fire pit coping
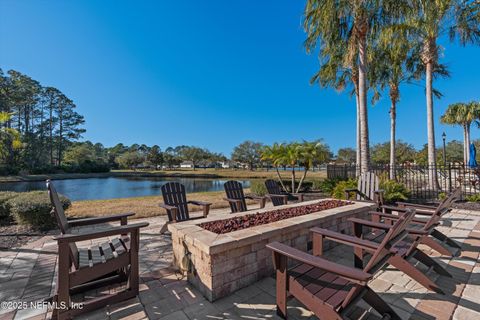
pixel 213 243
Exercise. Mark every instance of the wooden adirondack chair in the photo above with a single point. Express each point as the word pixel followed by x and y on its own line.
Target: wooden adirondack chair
pixel 236 197
pixel 404 251
pixel 368 188
pixel 329 289
pixel 81 269
pixel 278 196
pixel 426 227
pixel 176 204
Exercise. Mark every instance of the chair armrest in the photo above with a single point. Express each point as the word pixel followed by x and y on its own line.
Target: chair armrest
pixel 100 233
pixel 199 203
pixel 349 273
pixel 404 209
pixel 367 223
pixel 232 200
pixel 414 205
pixel 346 239
pixel 167 207
pixel 352 190
pixel 97 220
pixel 253 197
pixel 278 195
pixel 395 217
pixel 298 195
pixel 417 231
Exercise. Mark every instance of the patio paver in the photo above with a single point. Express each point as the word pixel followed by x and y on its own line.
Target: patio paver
pixel 28 274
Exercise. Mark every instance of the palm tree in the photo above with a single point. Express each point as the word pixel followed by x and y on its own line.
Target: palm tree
pixel 428 21
pixel 463 114
pixel 274 154
pixel 338 73
pixel 310 153
pixel 345 26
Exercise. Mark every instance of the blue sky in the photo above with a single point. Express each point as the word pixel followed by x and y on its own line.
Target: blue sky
pixel 206 73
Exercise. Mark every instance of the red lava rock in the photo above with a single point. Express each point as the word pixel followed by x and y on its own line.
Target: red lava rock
pixel 256 219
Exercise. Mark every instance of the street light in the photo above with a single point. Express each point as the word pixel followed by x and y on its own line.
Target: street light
pixel 444 136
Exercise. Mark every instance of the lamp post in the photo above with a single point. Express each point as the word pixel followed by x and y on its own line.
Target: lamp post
pixel 444 136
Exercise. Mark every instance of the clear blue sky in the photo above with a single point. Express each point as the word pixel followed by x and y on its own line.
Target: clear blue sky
pixel 206 73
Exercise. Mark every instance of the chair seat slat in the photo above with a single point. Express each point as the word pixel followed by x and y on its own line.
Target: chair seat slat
pixel 96 255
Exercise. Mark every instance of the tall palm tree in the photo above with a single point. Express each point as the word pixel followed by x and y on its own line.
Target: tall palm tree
pixel 429 20
pixel 339 73
pixel 463 114
pixel 348 25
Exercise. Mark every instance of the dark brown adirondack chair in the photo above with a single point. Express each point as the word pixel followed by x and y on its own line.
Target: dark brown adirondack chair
pixel 81 269
pixel 368 189
pixel 329 289
pixel 176 204
pixel 236 197
pixel 404 251
pixel 426 228
pixel 278 196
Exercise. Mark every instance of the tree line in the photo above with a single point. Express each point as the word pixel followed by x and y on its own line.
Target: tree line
pixel 38 124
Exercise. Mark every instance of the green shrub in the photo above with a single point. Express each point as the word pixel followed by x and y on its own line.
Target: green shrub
pixel 258 187
pixel 442 196
pixel 339 191
pixel 473 197
pixel 394 191
pixel 4 204
pixel 33 208
pixel 325 185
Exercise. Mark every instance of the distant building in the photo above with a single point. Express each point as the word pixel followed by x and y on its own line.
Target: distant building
pixel 186 165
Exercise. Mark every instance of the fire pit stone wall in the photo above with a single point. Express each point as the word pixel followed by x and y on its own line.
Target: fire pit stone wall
pixel 223 263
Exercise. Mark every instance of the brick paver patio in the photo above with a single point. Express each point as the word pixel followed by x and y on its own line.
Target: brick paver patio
pixel 27 274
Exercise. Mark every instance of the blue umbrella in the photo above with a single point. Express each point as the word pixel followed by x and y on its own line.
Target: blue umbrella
pixel 472 162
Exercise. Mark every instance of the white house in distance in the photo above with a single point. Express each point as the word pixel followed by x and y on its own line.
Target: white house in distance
pixel 186 165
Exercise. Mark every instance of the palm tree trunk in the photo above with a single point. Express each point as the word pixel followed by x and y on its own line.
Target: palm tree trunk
pixel 465 146
pixel 301 180
pixel 362 83
pixel 280 179
pixel 393 119
pixel 468 142
pixel 293 178
pixel 432 162
pixel 359 146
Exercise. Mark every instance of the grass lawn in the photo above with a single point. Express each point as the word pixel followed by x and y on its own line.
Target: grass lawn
pixel 227 173
pixel 142 206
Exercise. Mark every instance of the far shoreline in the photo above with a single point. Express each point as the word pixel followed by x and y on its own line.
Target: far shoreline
pixel 198 173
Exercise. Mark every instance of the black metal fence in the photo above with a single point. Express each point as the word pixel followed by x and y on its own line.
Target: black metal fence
pixel 416 178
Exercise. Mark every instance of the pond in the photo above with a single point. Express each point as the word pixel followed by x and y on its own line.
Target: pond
pixel 118 187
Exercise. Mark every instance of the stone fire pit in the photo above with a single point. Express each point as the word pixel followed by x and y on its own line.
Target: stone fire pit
pixel 224 261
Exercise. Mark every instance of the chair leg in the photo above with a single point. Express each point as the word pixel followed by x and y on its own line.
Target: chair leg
pixel 429 262
pixel 436 246
pixel 404 266
pixel 281 287
pixel 63 281
pixel 442 237
pixel 164 228
pixel 379 304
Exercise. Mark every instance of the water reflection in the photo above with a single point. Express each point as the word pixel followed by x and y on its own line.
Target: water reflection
pixel 115 187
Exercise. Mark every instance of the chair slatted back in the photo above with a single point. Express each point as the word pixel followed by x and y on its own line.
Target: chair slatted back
pixel 368 183
pixel 444 207
pixel 273 188
pixel 395 234
pixel 62 222
pixel 234 190
pixel 174 195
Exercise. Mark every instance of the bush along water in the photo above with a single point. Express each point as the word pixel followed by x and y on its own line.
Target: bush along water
pixel 258 187
pixel 34 209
